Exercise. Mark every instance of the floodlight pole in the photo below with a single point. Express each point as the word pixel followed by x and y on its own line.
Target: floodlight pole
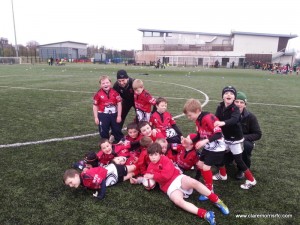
pixel 17 48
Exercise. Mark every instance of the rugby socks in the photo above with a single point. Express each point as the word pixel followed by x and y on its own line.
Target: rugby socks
pixel 201 212
pixel 213 197
pixel 249 175
pixel 223 171
pixel 207 177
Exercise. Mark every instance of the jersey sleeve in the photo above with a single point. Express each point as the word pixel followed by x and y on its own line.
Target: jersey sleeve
pixel 150 99
pixel 96 99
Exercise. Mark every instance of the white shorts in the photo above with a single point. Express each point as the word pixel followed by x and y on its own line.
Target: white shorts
pixel 176 185
pixel 235 148
pixel 142 116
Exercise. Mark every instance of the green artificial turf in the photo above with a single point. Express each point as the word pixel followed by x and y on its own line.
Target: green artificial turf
pixel 39 102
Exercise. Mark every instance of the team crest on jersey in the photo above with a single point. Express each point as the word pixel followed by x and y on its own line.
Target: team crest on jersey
pixel 102 96
pixel 96 179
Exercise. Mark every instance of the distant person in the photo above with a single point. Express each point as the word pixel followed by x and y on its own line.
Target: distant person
pixel 107 110
pixel 123 86
pixel 217 63
pixel 158 64
pixel 51 61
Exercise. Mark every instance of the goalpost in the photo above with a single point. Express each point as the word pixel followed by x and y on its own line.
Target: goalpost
pixel 10 60
pixel 184 60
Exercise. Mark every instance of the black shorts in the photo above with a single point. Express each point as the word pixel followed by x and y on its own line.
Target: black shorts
pixel 122 172
pixel 211 158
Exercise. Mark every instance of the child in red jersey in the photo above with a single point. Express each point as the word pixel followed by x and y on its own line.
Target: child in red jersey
pixel 178 186
pixel 98 178
pixel 109 151
pixel 143 159
pixel 142 101
pixel 146 130
pixel 163 120
pixel 168 149
pixel 183 155
pixel 208 137
pixel 133 136
pixel 107 110
pixel 187 156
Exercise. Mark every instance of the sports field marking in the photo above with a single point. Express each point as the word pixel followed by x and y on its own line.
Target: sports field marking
pixel 90 92
pixel 47 89
pixel 94 134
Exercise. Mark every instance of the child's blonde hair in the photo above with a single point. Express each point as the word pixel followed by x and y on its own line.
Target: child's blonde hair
pixel 137 83
pixel 192 105
pixel 146 141
pixel 160 140
pixel 70 173
pixel 103 77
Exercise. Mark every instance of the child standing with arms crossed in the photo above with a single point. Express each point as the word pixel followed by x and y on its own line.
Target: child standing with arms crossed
pixel 107 110
pixel 229 115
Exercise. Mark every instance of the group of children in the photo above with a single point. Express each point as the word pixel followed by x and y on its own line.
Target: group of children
pixel 154 148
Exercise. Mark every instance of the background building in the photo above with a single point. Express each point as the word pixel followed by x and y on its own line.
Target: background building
pixel 207 49
pixel 68 49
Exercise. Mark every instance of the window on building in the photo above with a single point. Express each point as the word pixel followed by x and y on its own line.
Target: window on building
pixel 169 34
pixel 156 34
pixel 147 34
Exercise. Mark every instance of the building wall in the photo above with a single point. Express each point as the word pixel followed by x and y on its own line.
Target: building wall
pixel 286 59
pixel 63 50
pixel 191 39
pixel 255 44
pixel 188 47
pixel 188 58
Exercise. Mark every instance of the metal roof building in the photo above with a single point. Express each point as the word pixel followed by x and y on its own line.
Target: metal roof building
pixel 66 49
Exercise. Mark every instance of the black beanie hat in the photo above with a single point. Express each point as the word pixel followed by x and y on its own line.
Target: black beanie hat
pixel 229 88
pixel 91 158
pixel 122 74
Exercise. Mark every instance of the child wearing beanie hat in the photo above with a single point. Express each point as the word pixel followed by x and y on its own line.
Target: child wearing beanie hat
pixel 241 96
pixel 229 88
pixel 251 132
pixel 229 116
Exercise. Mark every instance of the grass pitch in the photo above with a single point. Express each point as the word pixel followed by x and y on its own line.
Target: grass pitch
pixel 39 102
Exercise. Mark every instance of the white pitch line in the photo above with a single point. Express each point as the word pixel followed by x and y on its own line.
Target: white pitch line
pixel 90 135
pixel 47 89
pixel 47 141
pixel 266 104
pixel 89 92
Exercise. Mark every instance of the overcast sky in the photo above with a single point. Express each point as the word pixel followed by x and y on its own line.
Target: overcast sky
pixel 114 23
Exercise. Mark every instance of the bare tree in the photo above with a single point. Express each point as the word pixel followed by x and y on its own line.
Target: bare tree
pixel 31 48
